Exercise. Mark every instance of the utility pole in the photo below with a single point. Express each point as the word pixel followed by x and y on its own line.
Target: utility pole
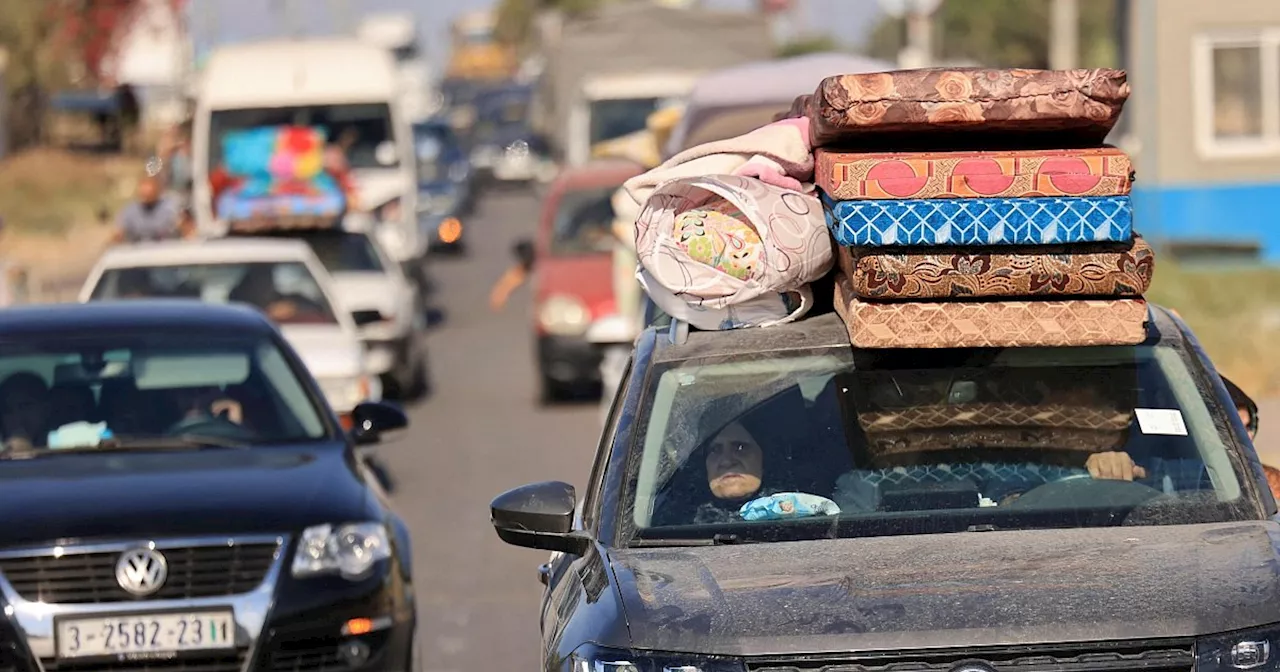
pixel 1064 35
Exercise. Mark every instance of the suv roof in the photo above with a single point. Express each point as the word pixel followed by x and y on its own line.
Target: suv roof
pixel 818 331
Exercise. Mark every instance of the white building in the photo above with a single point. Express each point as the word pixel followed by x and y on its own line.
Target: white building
pixel 153 54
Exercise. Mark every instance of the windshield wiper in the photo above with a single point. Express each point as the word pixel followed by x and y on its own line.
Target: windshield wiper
pixel 176 442
pixel 715 540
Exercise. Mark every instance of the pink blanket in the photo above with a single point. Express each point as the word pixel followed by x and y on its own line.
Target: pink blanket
pixel 778 154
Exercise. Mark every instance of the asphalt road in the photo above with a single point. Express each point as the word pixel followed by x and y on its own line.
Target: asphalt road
pixel 480 432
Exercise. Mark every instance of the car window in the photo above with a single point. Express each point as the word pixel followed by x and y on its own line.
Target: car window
pixel 340 251
pixel 583 222
pixel 603 450
pixel 286 291
pixel 70 391
pixel 900 442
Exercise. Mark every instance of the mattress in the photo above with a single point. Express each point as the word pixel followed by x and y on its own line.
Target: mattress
pixel 980 221
pixel 882 444
pixel 991 324
pixel 1098 171
pixel 925 108
pixel 1067 416
pixel 1086 270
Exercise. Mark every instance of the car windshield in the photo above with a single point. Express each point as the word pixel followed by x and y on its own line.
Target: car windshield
pixel 286 291
pixel 360 127
pixel 584 221
pixel 615 118
pixel 141 389
pixel 832 443
pixel 436 147
pixel 344 252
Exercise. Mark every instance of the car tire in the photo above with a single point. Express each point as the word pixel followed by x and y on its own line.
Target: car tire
pixel 550 391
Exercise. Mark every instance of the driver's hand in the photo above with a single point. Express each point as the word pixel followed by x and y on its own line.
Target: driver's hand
pixel 282 310
pixel 234 412
pixel 1114 466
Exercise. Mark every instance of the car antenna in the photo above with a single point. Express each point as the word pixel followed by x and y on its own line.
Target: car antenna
pixel 679 331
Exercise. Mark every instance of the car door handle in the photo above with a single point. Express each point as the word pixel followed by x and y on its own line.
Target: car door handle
pixel 544 574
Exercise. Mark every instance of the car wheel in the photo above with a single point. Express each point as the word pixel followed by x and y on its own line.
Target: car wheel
pixel 420 384
pixel 553 391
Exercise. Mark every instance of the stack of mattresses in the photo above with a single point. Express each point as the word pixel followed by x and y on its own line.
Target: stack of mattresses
pixel 998 220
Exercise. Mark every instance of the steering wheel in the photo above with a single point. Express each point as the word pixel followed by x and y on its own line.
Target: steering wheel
pixel 1070 491
pixel 212 426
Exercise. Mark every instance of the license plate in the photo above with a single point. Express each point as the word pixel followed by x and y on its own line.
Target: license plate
pixel 167 633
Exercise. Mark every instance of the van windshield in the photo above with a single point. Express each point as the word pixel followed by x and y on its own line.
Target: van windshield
pixel 360 128
pixel 776 446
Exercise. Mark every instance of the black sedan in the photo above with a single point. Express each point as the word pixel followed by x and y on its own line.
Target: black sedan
pixel 179 496
pixel 776 500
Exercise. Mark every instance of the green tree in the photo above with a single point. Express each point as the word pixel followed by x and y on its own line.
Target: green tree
pixel 1005 33
pixel 810 44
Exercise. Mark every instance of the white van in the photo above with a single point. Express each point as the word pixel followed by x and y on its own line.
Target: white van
pixel 347 86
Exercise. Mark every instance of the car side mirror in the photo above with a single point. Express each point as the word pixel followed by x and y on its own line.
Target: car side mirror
pixel 540 516
pixel 523 252
pixel 372 419
pixel 366 317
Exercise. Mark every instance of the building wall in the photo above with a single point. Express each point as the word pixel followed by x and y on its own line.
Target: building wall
pixel 1206 114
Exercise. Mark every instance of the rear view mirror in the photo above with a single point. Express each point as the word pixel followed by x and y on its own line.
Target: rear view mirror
pixel 373 419
pixel 539 515
pixel 1245 406
pixel 366 317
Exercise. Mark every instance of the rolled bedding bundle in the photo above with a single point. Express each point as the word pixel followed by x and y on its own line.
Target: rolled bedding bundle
pixel 727 251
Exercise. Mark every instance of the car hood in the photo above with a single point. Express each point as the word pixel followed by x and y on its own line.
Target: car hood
pixel 189 493
pixel 956 590
pixel 327 350
pixel 366 291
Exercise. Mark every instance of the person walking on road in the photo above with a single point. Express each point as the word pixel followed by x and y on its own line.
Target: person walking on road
pixel 150 216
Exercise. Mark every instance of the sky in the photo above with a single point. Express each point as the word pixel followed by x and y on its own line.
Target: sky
pixel 221 21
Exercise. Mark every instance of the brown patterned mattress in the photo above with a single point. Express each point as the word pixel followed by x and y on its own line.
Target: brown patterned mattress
pixel 1088 270
pixel 994 324
pixel 1064 108
pixel 1021 416
pixel 900 442
pixel 1097 171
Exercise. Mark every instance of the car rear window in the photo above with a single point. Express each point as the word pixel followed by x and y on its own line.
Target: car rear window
pixel 852 443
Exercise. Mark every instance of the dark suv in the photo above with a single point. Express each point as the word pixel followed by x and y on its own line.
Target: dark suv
pixel 773 500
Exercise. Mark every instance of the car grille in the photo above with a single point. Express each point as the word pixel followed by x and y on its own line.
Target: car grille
pixel 1148 656
pixel 222 662
pixel 319 654
pixel 194 571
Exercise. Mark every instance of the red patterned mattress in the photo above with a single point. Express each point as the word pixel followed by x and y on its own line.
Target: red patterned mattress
pixel 846 176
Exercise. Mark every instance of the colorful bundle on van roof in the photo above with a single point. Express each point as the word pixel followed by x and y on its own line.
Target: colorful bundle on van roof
pixel 279 179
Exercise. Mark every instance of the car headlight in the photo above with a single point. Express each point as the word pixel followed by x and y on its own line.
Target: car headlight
pixel 564 315
pixel 349 551
pixel 1233 652
pixel 345 393
pixel 590 658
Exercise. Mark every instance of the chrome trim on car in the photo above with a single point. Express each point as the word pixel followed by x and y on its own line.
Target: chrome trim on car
pixel 34 620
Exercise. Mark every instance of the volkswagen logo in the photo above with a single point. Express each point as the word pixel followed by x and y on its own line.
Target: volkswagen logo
pixel 970 666
pixel 141 571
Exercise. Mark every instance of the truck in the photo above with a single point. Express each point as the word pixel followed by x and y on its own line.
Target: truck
pixel 609 69
pixel 475 53
pixel 397 32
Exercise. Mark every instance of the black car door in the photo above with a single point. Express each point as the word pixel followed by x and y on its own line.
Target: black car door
pixel 563 581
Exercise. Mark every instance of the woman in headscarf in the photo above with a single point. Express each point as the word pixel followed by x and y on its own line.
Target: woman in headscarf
pixel 735 470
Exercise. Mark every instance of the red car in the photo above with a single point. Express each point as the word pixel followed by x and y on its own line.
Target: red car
pixel 573 273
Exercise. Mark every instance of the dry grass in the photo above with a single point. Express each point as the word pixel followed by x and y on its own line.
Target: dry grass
pixel 50 202
pixel 1235 314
